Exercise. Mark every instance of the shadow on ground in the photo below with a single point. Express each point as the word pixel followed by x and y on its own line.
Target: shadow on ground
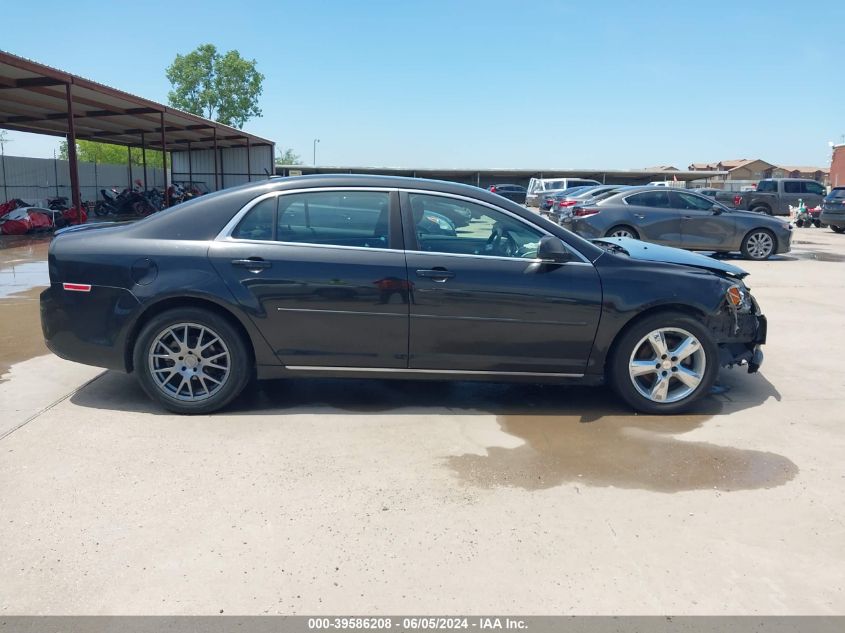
pixel 568 434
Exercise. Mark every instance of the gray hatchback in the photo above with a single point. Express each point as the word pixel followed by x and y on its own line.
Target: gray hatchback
pixel 683 219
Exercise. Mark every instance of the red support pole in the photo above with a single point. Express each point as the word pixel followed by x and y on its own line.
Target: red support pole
pixel 248 161
pixel 75 196
pixel 164 163
pixel 216 184
pixel 144 159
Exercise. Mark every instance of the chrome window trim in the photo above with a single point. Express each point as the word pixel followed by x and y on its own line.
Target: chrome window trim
pixel 490 205
pixel 225 234
pixel 468 372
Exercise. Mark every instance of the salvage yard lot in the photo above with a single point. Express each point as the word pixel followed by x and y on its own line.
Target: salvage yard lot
pixel 329 496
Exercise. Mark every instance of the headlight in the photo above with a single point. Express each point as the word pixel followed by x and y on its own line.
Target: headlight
pixel 738 297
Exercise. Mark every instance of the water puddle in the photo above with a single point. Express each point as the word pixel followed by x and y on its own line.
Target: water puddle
pixel 20 329
pixel 818 256
pixel 637 452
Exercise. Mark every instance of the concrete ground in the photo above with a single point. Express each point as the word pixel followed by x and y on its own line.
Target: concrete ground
pixel 324 496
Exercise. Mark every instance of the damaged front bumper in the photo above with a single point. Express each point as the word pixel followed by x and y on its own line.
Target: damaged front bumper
pixel 739 337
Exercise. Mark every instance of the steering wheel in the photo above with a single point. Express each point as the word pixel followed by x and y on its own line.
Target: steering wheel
pixel 501 242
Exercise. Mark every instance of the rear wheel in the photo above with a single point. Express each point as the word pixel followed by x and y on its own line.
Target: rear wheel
pixel 623 231
pixel 759 244
pixel 837 229
pixel 192 360
pixel 664 363
pixel 762 209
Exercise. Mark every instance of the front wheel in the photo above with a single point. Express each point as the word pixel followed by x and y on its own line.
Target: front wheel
pixel 192 360
pixel 623 231
pixel 759 244
pixel 664 363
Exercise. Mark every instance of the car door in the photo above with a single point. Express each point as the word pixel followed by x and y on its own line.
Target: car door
pixel 793 192
pixel 653 217
pixel 814 194
pixel 481 302
pixel 702 228
pixel 322 274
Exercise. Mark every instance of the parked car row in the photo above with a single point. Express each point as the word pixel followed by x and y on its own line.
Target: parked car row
pixel 680 218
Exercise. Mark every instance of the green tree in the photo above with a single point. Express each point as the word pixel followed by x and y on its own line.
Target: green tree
pixel 93 152
pixel 288 157
pixel 223 88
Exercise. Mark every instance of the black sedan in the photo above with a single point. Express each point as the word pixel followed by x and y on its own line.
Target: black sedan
pixel 679 218
pixel 516 193
pixel 341 276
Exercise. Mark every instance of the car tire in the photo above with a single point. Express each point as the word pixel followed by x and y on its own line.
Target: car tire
pixel 759 244
pixel 192 361
pixel 641 386
pixel 837 229
pixel 762 209
pixel 622 230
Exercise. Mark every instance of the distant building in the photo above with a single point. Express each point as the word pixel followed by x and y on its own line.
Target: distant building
pixel 837 167
pixel 790 171
pixel 661 168
pixel 739 169
pixel 754 169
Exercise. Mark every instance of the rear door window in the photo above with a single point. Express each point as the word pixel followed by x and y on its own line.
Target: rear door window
pixel 767 186
pixel 793 186
pixel 336 218
pixel 681 200
pixel 328 218
pixel 814 187
pixel 654 199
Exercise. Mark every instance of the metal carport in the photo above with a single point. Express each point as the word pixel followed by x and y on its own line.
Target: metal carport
pixel 43 100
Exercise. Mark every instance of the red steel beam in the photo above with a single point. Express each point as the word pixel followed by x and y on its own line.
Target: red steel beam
pixel 71 153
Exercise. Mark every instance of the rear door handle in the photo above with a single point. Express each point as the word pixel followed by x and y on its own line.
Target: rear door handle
pixel 253 263
pixel 437 274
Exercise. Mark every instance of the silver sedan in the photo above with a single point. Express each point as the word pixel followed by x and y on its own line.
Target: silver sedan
pixel 675 217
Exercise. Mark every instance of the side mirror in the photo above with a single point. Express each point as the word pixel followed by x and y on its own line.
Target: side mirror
pixel 717 210
pixel 552 251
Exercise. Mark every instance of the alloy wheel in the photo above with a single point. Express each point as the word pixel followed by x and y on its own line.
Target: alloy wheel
pixel 667 365
pixel 760 245
pixel 622 233
pixel 189 362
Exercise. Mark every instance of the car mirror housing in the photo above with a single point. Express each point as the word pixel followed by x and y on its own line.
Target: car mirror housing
pixel 552 251
pixel 717 210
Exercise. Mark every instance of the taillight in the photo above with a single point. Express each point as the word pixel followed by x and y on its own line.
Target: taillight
pixel 737 200
pixel 583 212
pixel 493 189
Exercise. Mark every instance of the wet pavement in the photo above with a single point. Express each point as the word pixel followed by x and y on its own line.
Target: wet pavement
pixel 23 274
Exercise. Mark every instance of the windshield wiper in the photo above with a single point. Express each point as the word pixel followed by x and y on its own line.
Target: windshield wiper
pixel 613 248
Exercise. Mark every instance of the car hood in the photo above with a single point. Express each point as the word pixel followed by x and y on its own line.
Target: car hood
pixel 646 251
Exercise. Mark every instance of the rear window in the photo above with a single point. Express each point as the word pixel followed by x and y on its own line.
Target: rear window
pixel 581 183
pixel 658 199
pixel 836 193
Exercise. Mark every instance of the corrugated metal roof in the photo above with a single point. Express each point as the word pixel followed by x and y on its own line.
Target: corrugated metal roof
pixel 33 98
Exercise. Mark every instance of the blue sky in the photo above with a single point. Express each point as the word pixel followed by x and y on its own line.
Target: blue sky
pixel 612 84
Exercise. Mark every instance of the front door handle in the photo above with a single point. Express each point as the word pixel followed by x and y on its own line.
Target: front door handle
pixel 252 264
pixel 437 274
